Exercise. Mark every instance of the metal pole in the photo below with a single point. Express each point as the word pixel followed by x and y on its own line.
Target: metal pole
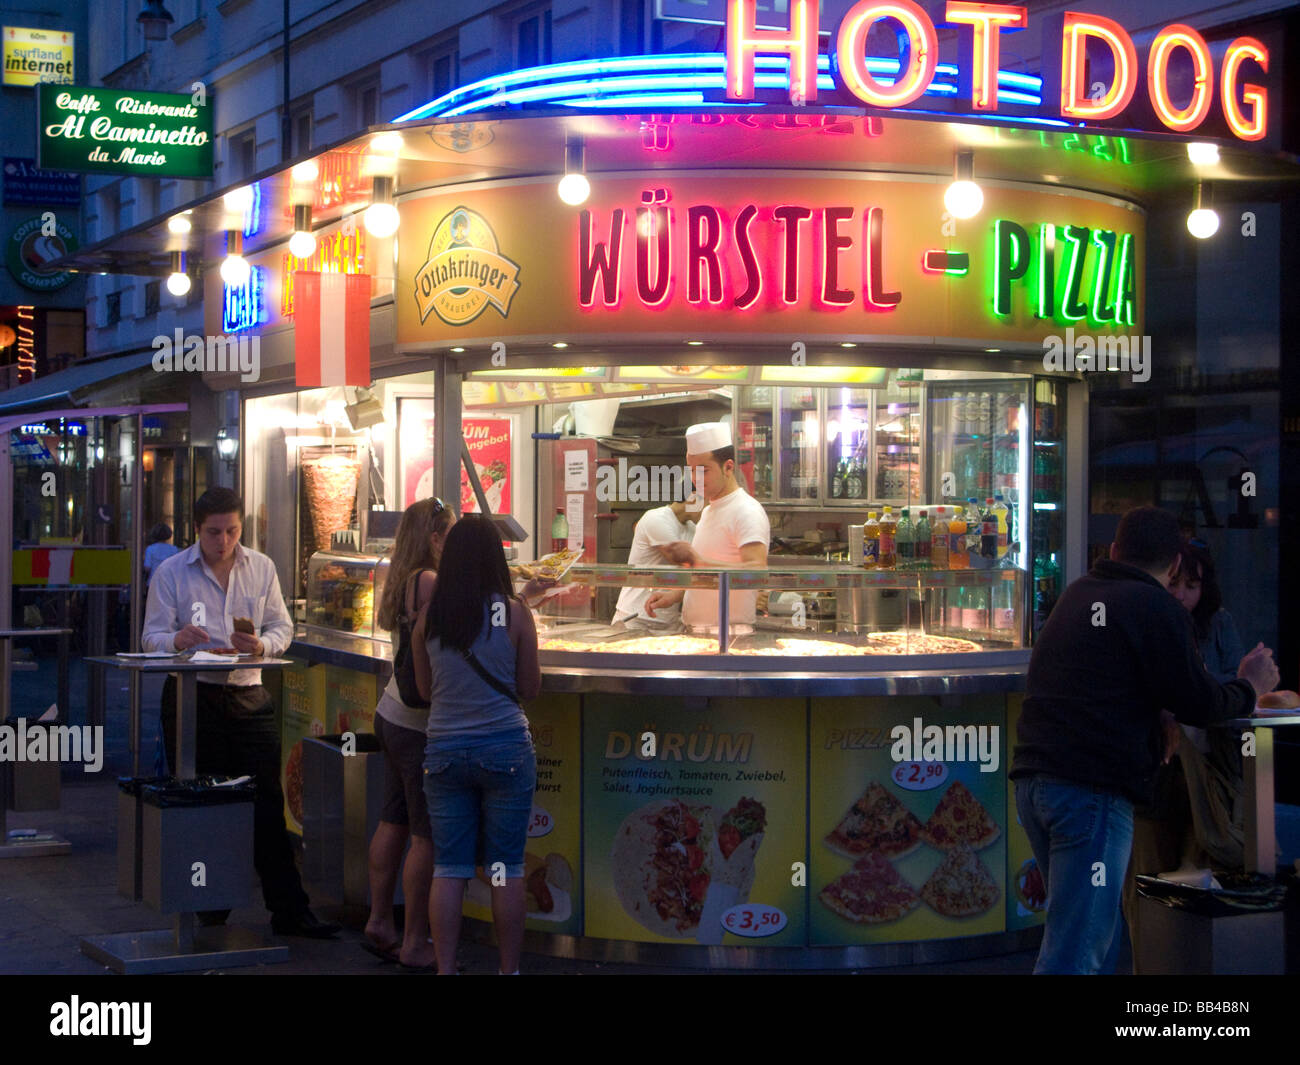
pixel 286 123
pixel 137 587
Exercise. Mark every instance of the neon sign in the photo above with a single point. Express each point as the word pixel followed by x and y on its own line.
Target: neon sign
pixel 342 251
pixel 242 306
pixel 1078 50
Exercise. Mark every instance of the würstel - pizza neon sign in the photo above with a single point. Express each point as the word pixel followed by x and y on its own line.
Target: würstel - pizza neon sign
pixel 1175 75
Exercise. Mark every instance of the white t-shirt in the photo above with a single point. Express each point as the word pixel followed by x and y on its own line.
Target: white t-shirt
pixel 658 526
pixel 726 525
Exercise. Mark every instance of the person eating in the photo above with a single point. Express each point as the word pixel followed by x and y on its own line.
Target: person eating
pixel 733 531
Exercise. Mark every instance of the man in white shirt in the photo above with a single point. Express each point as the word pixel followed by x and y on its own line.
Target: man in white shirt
pixel 733 532
pixel 194 598
pixel 662 525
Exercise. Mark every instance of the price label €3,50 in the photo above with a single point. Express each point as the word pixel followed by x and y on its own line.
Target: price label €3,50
pixel 753 920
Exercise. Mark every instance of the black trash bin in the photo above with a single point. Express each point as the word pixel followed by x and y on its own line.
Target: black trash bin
pixel 130 833
pixel 196 844
pixel 1238 929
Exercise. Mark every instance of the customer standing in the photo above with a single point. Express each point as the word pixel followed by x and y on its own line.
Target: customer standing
pixel 194 598
pixel 401 719
pixel 1116 650
pixel 475 656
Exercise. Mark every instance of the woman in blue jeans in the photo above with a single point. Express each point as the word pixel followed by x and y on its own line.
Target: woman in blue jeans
pixel 475 658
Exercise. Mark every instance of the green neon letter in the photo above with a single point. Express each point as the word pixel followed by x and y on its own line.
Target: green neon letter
pixel 1102 309
pixel 1126 283
pixel 1046 270
pixel 1010 261
pixel 1071 309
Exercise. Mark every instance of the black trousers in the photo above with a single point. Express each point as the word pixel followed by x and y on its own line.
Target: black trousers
pixel 236 735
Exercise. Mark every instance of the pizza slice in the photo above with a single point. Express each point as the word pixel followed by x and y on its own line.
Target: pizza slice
pixel 876 822
pixel 960 818
pixel 872 892
pixel 961 886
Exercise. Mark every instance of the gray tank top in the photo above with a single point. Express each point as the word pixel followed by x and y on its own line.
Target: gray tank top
pixel 464 705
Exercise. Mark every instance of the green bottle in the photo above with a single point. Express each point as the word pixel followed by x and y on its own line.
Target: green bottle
pixel 906 541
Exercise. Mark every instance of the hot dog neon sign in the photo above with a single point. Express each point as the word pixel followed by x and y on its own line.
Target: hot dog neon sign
pixel 1078 48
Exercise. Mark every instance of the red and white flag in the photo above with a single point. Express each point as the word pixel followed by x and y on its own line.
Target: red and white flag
pixel 331 329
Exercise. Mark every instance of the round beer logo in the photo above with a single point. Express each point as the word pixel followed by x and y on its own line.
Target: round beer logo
pixel 30 248
pixel 465 271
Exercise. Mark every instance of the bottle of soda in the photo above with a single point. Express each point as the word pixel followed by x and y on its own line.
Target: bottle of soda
pixel 989 537
pixel 923 542
pixel 1000 511
pixel 888 557
pixel 1004 606
pixel 559 530
pixel 972 529
pixel 939 540
pixel 905 538
pixel 871 541
pixel 958 557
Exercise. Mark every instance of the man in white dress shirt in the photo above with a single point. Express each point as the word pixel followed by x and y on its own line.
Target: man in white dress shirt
pixel 662 525
pixel 733 532
pixel 194 597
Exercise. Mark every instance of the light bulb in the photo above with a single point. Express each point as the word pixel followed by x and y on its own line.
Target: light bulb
pixel 1203 223
pixel 1203 154
pixel 238 201
pixel 381 220
pixel 386 143
pixel 574 189
pixel 178 284
pixel 179 224
pixel 235 270
pixel 305 173
pixel 302 245
pixel 963 199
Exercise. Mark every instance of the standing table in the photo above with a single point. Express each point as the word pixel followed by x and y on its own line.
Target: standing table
pixel 40 844
pixel 1261 833
pixel 185 947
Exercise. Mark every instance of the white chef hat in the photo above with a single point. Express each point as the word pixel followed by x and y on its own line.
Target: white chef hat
pixel 707 436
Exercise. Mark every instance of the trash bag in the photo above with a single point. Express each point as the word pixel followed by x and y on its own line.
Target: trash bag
pixel 201 791
pixel 133 785
pixel 1240 893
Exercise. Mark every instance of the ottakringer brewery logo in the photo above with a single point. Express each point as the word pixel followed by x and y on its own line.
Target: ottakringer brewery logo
pixel 465 271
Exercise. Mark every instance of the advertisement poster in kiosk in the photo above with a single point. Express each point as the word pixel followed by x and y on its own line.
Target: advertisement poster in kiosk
pixel 553 853
pixel 488 439
pixel 695 821
pixel 302 714
pixel 1026 889
pixel 909 837
pixel 350 699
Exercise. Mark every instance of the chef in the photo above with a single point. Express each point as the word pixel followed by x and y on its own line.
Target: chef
pixel 733 532
pixel 657 527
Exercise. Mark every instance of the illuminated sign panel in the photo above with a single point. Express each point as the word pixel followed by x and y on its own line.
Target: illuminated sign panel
pixel 244 306
pixel 768 257
pixel 1080 52
pixel 32 57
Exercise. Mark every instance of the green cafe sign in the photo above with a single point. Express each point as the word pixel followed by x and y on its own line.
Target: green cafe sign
pixel 107 131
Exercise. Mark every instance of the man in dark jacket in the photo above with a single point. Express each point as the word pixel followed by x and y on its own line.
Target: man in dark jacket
pixel 1117 649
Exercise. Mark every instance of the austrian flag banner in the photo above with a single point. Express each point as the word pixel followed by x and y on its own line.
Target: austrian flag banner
pixel 331 339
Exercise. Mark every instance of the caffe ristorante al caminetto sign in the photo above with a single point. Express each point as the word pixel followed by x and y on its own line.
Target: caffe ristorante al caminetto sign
pixel 109 131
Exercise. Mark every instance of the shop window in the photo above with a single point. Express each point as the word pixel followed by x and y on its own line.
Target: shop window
pixel 302 124
pixel 152 297
pixel 242 154
pixel 533 39
pixel 365 104
pixel 113 308
pixel 440 74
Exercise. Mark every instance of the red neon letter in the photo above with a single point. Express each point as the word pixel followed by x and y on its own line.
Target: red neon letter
pixel 599 261
pixel 876 298
pixel 653 221
pixel 987 21
pixel 753 278
pixel 744 42
pixel 850 55
pixel 790 218
pixel 1239 51
pixel 833 240
pixel 1180 119
pixel 1075 101
pixel 703 250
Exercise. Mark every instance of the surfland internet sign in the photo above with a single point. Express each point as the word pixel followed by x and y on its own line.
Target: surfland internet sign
pixel 108 131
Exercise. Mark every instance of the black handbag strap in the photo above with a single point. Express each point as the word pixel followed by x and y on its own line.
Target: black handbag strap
pixel 477 667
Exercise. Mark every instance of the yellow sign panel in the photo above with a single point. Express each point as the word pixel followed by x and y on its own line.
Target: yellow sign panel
pixel 34 56
pixel 464 271
pixel 82 567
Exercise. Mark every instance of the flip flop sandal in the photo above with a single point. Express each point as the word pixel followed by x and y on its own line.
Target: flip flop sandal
pixel 383 954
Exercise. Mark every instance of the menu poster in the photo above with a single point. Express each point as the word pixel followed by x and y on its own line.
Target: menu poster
pixel 695 820
pixel 350 699
pixel 488 439
pixel 909 836
pixel 553 853
pixel 1026 888
pixel 302 714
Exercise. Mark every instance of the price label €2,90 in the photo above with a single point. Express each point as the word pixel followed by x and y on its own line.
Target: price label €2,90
pixel 753 920
pixel 920 776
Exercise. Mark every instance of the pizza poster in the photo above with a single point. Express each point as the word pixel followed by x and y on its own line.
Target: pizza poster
pixel 908 814
pixel 350 699
pixel 694 820
pixel 488 439
pixel 553 853
pixel 302 714
pixel 1026 889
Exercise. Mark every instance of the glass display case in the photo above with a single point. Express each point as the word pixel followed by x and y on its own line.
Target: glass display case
pixel 343 592
pixel 842 616
pixel 799 438
pixel 754 441
pixel 1048 538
